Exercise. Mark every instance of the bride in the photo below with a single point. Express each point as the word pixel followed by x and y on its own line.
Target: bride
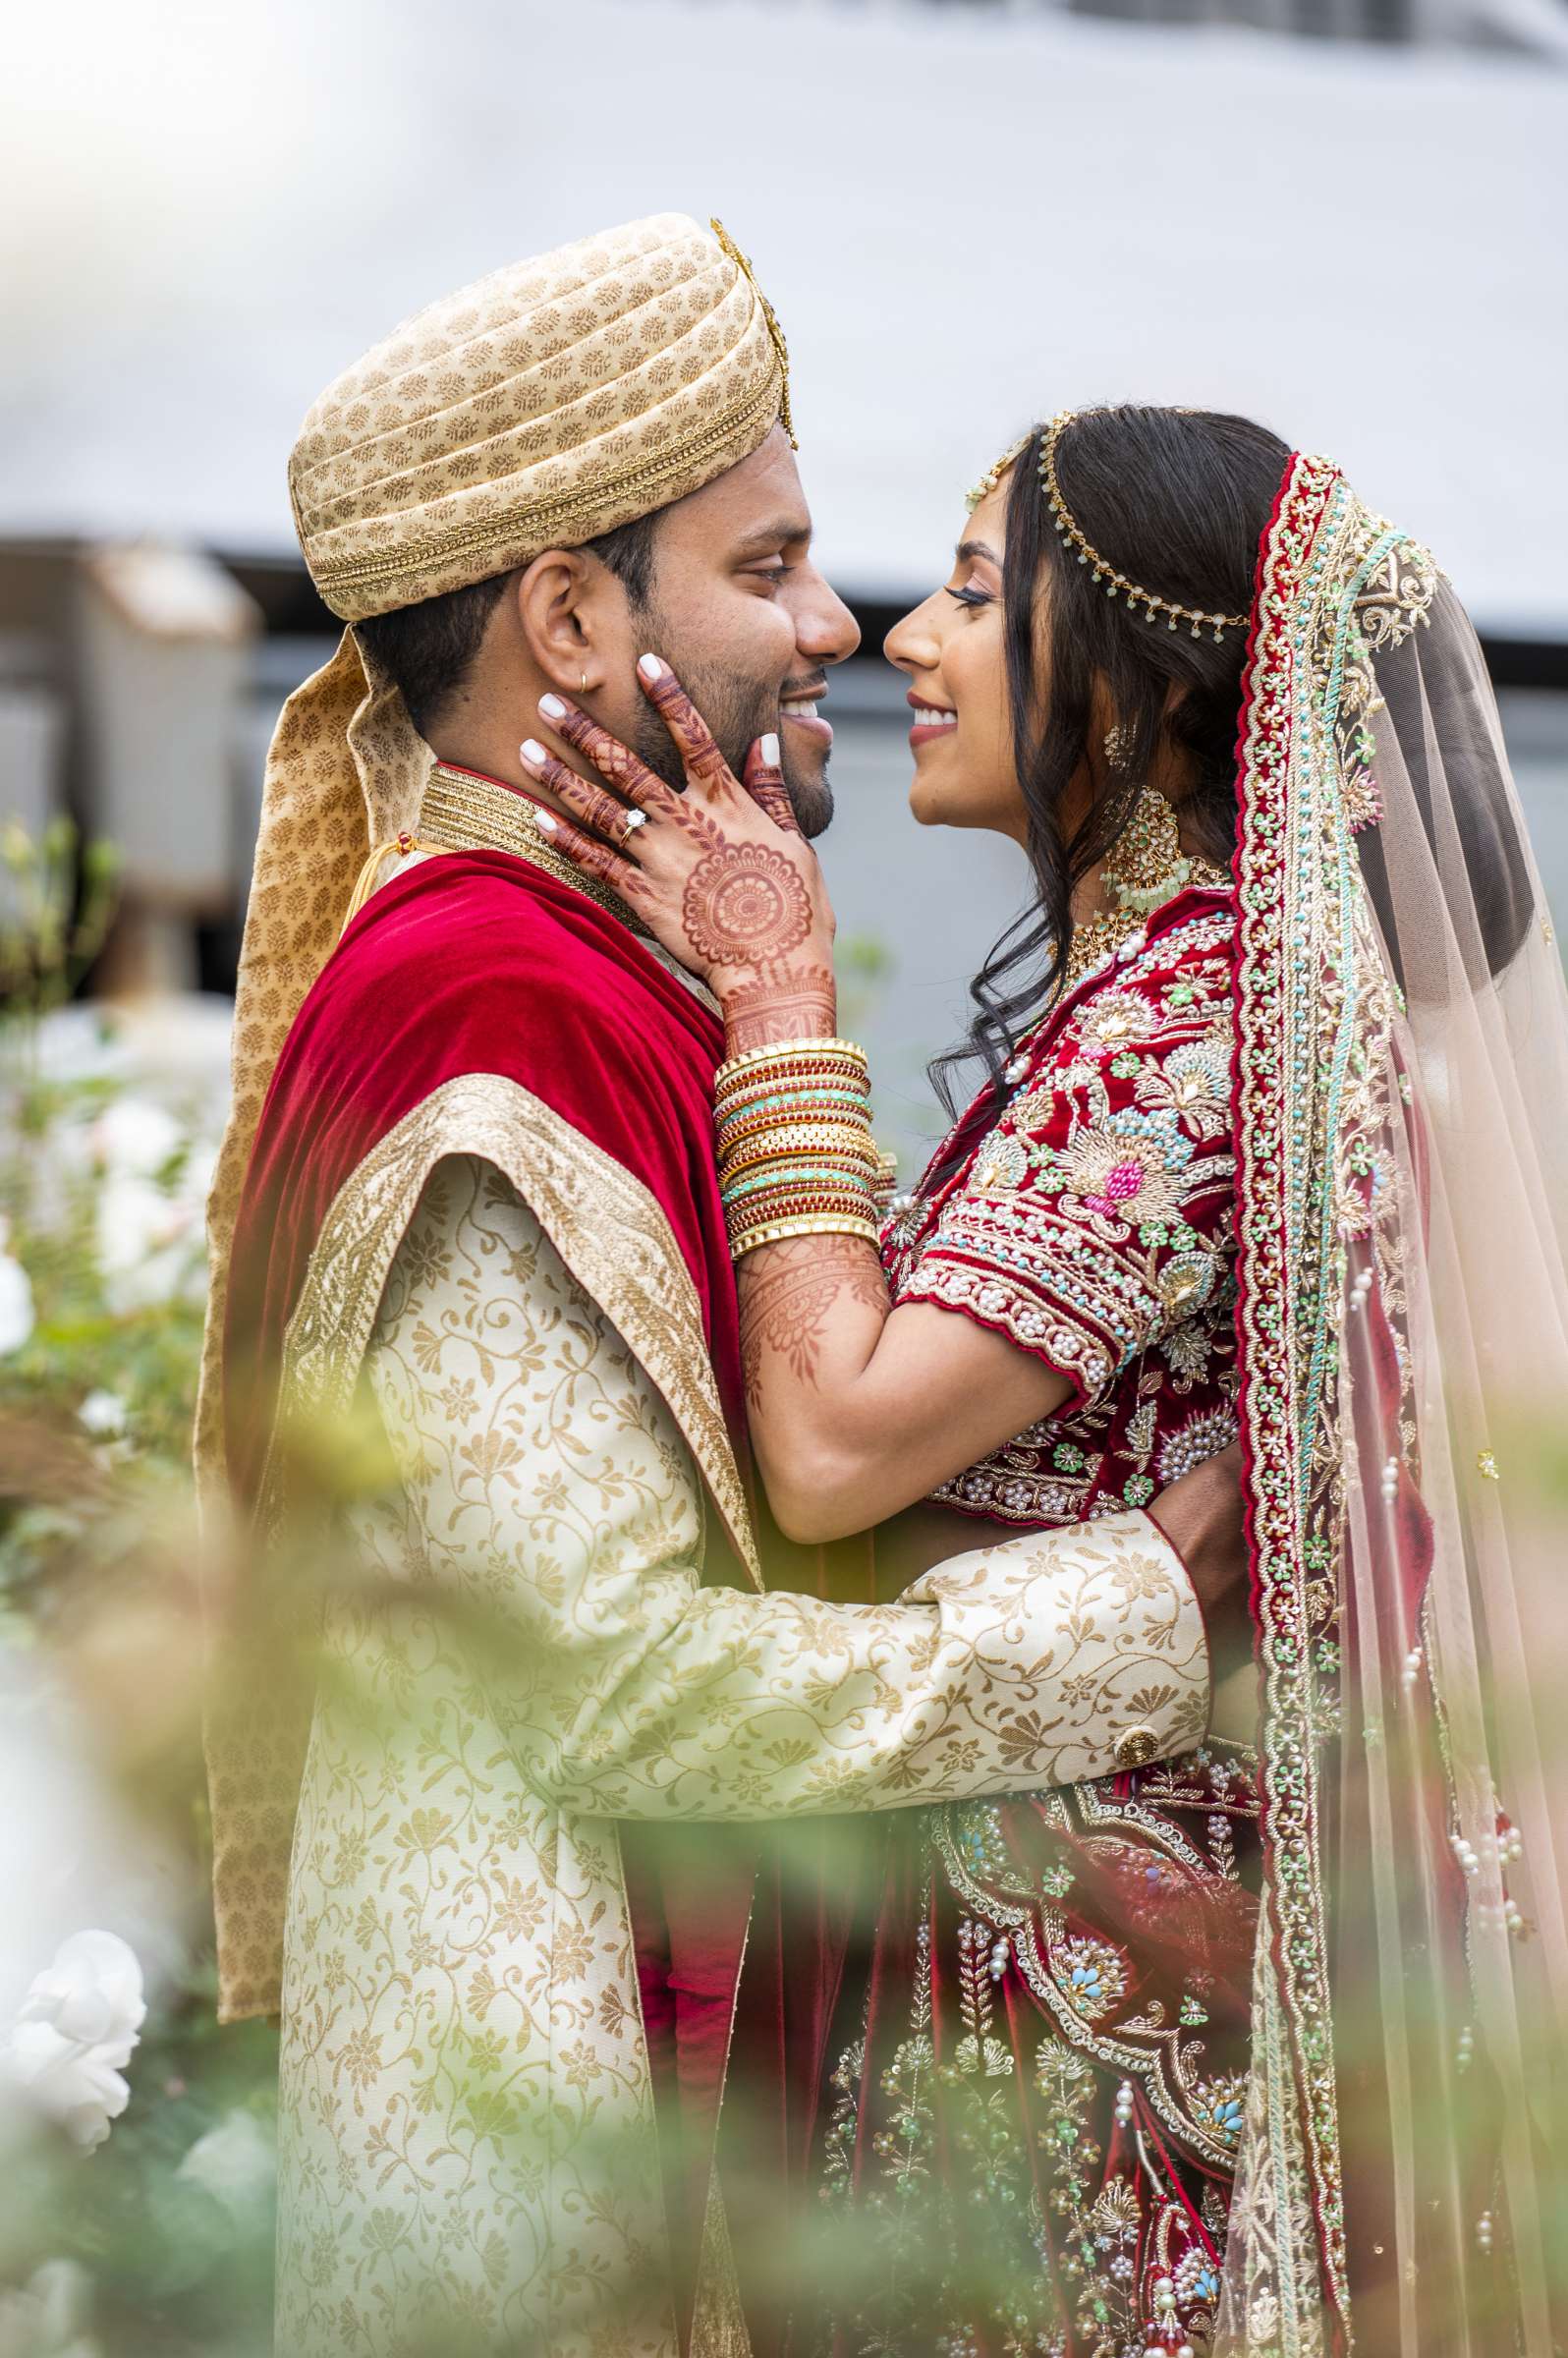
pixel 1256 2049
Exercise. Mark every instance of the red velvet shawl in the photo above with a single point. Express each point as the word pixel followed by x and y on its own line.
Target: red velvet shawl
pixel 476 962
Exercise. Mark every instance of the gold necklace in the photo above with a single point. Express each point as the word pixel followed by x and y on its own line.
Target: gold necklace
pixel 1144 870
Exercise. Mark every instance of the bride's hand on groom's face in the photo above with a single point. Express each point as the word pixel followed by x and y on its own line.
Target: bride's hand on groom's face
pixel 720 874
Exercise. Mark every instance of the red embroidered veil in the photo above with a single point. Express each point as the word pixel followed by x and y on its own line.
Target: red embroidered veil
pixel 1401 1113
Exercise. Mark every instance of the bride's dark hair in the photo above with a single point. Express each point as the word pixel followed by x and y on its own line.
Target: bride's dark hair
pixel 1177 500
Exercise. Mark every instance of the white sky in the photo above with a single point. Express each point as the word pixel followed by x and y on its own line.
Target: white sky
pixel 213 208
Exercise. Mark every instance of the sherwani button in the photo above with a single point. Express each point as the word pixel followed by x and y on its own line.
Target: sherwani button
pixel 1136 1747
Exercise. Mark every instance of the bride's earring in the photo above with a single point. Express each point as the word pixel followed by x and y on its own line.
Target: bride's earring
pixel 1146 864
pixel 1118 744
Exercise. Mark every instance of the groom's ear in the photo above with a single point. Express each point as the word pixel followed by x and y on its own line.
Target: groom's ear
pixel 571 611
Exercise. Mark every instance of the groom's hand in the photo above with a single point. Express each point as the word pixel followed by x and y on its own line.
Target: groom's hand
pixel 1201 1514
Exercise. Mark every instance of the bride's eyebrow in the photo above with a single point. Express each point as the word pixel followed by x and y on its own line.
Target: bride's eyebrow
pixel 976 548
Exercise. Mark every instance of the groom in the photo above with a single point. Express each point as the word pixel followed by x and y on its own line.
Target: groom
pixel 488 1846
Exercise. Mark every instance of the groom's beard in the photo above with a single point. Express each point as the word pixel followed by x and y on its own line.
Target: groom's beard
pixel 737 712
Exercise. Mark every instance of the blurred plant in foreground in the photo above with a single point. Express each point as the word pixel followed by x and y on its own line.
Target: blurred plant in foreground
pixel 55 909
pixel 161 2240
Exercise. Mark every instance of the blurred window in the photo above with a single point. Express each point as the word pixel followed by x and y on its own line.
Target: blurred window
pixel 1539 28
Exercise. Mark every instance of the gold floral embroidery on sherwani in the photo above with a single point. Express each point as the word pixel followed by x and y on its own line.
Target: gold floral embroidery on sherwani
pixel 466 2115
pixel 617 1243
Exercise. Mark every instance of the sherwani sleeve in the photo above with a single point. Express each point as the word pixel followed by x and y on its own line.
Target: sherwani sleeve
pixel 558 1512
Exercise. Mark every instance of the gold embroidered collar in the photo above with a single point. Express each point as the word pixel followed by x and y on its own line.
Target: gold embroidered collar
pixel 463 811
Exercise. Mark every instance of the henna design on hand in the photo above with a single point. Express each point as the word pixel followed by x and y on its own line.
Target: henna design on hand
pixel 763 781
pixel 790 1292
pixel 758 1013
pixel 772 796
pixel 745 905
pixel 614 762
pixel 595 858
pixel 695 740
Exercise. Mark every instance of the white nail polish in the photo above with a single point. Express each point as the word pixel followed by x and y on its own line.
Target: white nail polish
pixel 532 751
pixel 770 750
pixel 552 707
pixel 650 667
pixel 545 823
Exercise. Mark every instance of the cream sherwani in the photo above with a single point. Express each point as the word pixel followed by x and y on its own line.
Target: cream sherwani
pixel 467 2131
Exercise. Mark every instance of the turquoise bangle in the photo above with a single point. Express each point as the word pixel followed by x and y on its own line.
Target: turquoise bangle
pixel 797 1098
pixel 793 1175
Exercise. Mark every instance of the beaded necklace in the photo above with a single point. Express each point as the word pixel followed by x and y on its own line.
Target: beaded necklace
pixel 1144 870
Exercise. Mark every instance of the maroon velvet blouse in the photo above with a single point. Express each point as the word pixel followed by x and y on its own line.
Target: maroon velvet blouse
pixel 1093 1223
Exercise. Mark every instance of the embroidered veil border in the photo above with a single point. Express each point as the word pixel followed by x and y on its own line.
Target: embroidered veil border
pixel 1400 1114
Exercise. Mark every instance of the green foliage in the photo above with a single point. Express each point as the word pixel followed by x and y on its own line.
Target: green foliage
pixel 55 906
pixel 101 1263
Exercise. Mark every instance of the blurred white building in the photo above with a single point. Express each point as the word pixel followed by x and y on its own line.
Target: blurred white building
pixel 968 212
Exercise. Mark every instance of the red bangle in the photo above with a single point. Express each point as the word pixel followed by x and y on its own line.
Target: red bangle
pixel 818 1074
pixel 791 1203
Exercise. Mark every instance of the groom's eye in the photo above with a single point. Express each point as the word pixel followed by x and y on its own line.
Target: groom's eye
pixel 774 574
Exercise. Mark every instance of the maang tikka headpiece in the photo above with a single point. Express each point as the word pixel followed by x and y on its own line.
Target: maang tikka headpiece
pixel 1115 583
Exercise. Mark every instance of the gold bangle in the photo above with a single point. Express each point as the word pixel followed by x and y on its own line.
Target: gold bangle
pixel 784 1048
pixel 851 1190
pixel 832 1138
pixel 783 1170
pixel 773 1203
pixel 798 1074
pixel 769 1107
pixel 799 1203
pixel 777 1232
pixel 837 1106
pixel 774 1081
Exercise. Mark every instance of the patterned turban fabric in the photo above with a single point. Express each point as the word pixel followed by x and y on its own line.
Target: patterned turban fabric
pixel 543 406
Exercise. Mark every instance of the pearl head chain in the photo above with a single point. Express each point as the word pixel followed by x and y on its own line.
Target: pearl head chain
pixel 1154 608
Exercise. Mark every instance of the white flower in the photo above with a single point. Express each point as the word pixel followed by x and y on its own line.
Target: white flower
pixel 103 1414
pixel 78 2022
pixel 48 2316
pixel 134 1138
pixel 236 2163
pixel 150 1242
pixel 16 1305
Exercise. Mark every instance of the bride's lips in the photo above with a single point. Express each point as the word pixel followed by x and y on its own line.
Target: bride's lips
pixel 927 732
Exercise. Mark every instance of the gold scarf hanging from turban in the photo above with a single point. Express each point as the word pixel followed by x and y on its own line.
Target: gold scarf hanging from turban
pixel 553 401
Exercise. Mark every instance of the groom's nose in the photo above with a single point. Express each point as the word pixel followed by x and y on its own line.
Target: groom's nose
pixel 825 630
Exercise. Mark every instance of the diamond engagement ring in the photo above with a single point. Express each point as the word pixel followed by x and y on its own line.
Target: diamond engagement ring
pixel 634 821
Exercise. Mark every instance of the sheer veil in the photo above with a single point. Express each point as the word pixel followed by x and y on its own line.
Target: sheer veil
pixel 1401 1107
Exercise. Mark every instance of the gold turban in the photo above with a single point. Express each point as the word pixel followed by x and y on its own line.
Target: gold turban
pixel 541 406
pixel 537 408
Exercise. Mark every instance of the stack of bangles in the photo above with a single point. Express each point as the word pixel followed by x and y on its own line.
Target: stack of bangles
pixel 796 1154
